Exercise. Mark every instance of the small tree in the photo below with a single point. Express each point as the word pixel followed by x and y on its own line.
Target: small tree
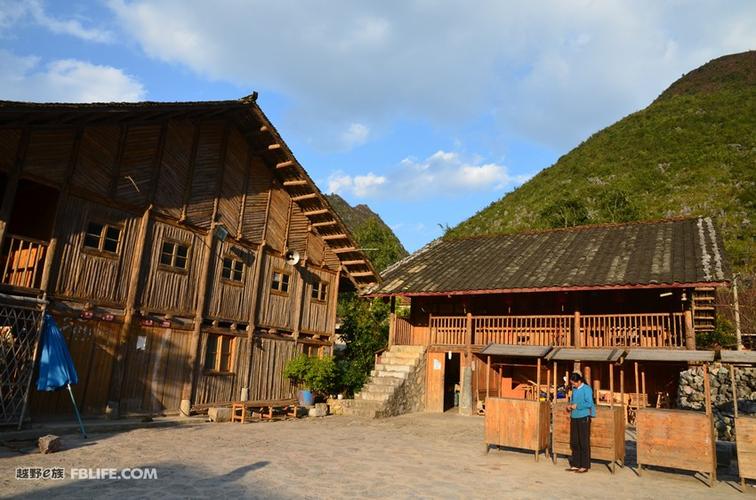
pixel 315 374
pixel 565 213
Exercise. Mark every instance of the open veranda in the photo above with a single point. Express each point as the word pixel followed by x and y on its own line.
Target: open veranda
pixel 416 455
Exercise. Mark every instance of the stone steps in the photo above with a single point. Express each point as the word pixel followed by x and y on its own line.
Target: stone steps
pixel 389 373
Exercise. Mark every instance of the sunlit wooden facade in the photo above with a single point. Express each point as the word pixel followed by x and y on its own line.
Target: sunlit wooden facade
pixel 158 235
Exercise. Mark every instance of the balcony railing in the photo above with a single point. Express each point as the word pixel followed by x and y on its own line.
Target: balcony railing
pixel 22 260
pixel 601 330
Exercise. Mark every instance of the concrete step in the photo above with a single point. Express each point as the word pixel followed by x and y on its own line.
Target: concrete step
pixel 385 381
pixel 389 374
pixel 372 396
pixel 379 388
pixel 407 359
pixel 362 407
pixel 385 367
pixel 407 348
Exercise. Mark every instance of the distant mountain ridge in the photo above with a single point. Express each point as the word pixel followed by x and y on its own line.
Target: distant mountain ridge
pixel 692 151
pixel 379 241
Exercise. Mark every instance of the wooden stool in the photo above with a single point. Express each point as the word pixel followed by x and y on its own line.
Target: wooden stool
pixel 239 412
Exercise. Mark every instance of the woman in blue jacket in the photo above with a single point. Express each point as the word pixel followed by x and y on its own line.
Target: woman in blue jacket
pixel 581 410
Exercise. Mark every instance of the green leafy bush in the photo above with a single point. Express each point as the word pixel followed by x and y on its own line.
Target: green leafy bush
pixel 316 374
pixel 723 335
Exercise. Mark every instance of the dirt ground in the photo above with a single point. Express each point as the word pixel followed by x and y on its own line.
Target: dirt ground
pixel 417 456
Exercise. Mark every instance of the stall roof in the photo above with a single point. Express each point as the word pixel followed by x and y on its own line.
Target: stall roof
pixel 748 357
pixel 573 354
pixel 521 351
pixel 681 355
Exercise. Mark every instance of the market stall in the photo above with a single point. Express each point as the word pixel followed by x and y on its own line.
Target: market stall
pixel 521 420
pixel 745 425
pixel 608 426
pixel 679 439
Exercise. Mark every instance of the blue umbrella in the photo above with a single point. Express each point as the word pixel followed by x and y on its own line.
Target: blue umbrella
pixel 56 368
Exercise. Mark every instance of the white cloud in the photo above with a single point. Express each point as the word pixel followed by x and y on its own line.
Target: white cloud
pixel 65 80
pixel 552 72
pixel 355 135
pixel 443 173
pixel 12 11
pixel 362 186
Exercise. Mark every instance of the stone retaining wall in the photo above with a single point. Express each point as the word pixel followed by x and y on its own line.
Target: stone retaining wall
pixel 690 393
pixel 409 397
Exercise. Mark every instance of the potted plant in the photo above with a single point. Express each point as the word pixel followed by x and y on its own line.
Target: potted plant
pixel 313 377
pixel 297 371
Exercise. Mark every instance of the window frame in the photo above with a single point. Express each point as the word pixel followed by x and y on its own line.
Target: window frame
pixel 279 290
pixel 174 254
pixel 217 355
pixel 101 250
pixel 230 279
pixel 322 291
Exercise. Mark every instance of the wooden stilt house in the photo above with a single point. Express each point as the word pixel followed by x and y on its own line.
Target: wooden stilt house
pixel 647 284
pixel 161 237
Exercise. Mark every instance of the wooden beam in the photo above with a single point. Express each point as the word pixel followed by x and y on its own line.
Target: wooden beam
pixel 273 147
pixel 363 274
pixel 343 249
pixel 353 262
pixel 303 197
pixel 319 211
pixel 264 128
pixel 285 164
pixel 298 182
pixel 326 223
pixel 329 237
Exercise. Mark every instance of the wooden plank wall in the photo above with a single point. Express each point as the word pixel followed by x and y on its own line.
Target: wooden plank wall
pixel 97 159
pixel 232 187
pixel 92 345
pixel 221 387
pixel 278 217
pixel 434 380
pixel 228 300
pixel 85 275
pixel 204 188
pixel 167 291
pixel 175 169
pixel 256 200
pixel 269 357
pixel 9 139
pixel 154 375
pixel 48 153
pixel 277 310
pixel 315 314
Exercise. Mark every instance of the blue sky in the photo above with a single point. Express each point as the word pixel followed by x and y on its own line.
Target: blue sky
pixel 425 110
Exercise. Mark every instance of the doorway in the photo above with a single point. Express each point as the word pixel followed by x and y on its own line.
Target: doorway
pixel 452 384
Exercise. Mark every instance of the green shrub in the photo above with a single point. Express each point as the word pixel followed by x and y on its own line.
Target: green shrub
pixel 316 374
pixel 723 335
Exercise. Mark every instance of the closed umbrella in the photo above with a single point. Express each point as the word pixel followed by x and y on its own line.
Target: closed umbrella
pixel 56 368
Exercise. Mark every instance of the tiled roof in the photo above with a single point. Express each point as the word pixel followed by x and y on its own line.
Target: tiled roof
pixel 674 251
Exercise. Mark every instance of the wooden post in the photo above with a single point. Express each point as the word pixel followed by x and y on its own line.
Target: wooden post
pixel 611 386
pixel 252 321
pixel 736 310
pixel 637 408
pixel 690 332
pixel 577 338
pixel 392 322
pixel 500 384
pixel 734 391
pixel 538 403
pixel 488 377
pixel 643 387
pixel 469 334
pixel 431 340
pixel 119 363
pixel 707 396
pixel 538 381
pixel 299 305
pixel 587 375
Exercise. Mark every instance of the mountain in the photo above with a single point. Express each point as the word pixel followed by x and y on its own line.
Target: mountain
pixel 690 152
pixel 372 234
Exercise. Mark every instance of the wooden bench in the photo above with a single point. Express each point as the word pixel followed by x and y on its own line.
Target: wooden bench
pixel 265 408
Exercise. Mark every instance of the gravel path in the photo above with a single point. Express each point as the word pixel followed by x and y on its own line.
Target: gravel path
pixel 417 456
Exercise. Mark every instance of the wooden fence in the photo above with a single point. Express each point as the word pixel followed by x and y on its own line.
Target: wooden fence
pixel 22 261
pixel 600 330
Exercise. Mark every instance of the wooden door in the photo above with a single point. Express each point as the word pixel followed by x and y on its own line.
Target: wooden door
pixel 434 384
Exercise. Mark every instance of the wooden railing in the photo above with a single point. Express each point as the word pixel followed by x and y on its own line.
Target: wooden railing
pixel 666 330
pixel 633 330
pixel 525 330
pixel 22 261
pixel 403 332
pixel 448 330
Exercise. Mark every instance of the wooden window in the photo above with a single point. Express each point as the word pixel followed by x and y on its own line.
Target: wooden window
pixel 174 255
pixel 104 238
pixel 219 352
pixel 320 291
pixel 280 282
pixel 233 269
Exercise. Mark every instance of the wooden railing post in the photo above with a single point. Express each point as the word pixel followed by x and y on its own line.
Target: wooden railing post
pixel 392 323
pixel 690 333
pixel 577 340
pixel 469 332
pixel 431 340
